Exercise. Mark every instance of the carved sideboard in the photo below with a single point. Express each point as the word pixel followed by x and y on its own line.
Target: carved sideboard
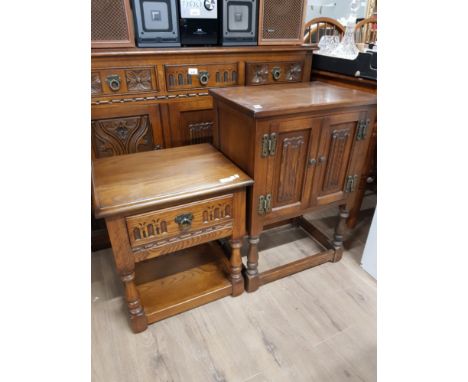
pixel 305 146
pixel 149 99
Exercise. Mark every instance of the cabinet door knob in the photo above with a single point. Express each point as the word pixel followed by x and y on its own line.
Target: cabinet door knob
pixel 322 159
pixel 312 161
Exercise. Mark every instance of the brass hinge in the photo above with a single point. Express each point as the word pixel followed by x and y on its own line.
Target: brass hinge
pixel 268 145
pixel 264 204
pixel 351 182
pixel 362 129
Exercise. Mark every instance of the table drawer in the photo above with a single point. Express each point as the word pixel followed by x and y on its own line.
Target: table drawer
pixel 173 224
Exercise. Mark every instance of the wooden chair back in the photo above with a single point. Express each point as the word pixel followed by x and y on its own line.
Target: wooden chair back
pixel 366 31
pixel 322 26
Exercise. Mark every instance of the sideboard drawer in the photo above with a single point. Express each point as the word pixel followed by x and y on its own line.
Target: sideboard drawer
pixel 121 81
pixel 265 73
pixel 199 76
pixel 173 224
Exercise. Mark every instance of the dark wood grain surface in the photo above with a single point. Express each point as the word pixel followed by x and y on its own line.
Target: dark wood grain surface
pixel 197 50
pixel 275 100
pixel 126 184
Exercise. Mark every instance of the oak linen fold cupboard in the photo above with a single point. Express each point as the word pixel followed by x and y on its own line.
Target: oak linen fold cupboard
pixel 305 146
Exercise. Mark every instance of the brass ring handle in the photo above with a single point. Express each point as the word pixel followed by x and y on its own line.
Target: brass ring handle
pixel 276 72
pixel 114 82
pixel 204 77
pixel 184 221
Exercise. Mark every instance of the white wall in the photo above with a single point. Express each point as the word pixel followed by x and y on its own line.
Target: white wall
pixel 335 9
pixel 369 257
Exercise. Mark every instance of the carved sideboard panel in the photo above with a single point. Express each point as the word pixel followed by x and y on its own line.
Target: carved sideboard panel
pixel 263 73
pixel 124 135
pixel 186 77
pixel 121 81
pixel 165 226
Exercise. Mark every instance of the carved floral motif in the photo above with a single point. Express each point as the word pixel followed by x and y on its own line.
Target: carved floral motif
pixel 138 80
pixel 96 86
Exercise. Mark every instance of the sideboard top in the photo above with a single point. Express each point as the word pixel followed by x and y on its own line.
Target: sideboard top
pixel 127 183
pixel 199 50
pixel 273 100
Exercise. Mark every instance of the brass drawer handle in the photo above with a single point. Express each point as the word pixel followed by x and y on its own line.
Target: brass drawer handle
pixel 276 72
pixel 184 221
pixel 114 82
pixel 204 77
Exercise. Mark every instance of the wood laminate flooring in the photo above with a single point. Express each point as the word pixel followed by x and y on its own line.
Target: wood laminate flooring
pixel 317 325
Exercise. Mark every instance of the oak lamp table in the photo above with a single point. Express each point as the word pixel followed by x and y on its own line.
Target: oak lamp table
pixel 164 210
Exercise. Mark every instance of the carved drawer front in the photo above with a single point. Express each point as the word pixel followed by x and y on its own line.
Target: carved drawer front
pixel 120 81
pixel 263 73
pixel 174 224
pixel 199 76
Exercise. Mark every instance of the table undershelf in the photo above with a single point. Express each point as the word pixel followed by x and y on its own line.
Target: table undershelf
pixel 174 283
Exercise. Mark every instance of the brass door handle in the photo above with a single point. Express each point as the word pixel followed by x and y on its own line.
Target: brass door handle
pixel 184 221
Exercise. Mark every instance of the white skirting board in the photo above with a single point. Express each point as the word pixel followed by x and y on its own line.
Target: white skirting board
pixel 369 257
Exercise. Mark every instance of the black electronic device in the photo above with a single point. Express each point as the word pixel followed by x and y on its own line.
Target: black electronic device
pixel 156 23
pixel 199 22
pixel 239 23
pixel 365 65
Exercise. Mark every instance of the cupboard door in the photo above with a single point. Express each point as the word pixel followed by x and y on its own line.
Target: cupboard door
pixel 192 122
pixel 125 130
pixel 335 148
pixel 288 171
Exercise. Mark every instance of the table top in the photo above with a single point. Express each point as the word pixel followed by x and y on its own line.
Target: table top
pixel 128 183
pixel 273 100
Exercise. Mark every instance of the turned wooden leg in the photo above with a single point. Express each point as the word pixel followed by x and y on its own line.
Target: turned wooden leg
pixel 236 267
pixel 251 275
pixel 136 312
pixel 356 203
pixel 125 265
pixel 339 231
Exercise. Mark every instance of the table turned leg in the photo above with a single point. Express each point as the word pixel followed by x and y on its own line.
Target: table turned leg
pixel 236 268
pixel 339 232
pixel 135 309
pixel 251 275
pixel 125 265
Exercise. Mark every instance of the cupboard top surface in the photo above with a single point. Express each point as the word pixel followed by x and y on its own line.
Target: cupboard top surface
pixel 127 183
pixel 198 50
pixel 273 100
